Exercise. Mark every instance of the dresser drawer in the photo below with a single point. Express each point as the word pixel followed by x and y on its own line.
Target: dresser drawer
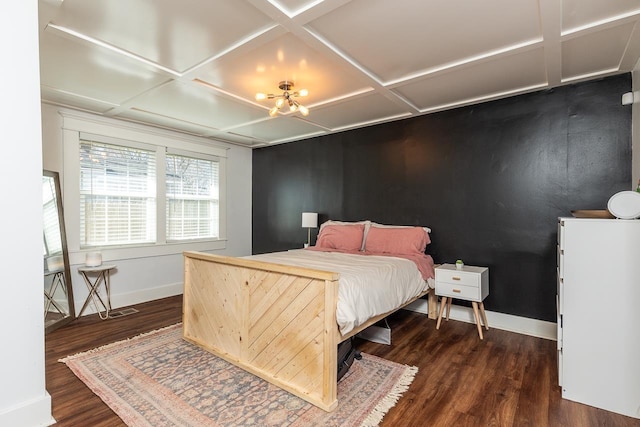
pixel 458 290
pixel 560 293
pixel 559 324
pixel 560 261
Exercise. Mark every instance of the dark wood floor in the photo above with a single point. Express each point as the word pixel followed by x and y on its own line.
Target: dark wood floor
pixel 506 380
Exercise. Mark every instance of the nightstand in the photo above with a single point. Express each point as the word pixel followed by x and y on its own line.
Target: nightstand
pixel 469 284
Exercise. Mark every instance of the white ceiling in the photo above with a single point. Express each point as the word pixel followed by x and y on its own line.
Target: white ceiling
pixel 196 65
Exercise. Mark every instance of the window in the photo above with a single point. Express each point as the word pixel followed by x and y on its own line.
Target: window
pixel 117 195
pixel 52 238
pixel 123 191
pixel 193 191
pixel 133 191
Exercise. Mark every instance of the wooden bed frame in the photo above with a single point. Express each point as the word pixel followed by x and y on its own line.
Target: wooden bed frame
pixel 275 321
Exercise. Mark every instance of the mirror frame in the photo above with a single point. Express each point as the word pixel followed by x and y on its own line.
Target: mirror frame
pixel 65 256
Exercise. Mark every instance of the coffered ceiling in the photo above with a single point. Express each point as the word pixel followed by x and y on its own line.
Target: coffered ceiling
pixel 196 65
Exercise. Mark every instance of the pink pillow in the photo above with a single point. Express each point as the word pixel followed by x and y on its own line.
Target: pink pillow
pixel 343 237
pixel 408 240
pixel 366 224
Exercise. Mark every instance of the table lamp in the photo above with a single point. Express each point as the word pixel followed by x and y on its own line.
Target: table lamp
pixel 309 221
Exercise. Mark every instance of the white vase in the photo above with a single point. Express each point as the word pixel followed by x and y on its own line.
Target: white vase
pixel 93 259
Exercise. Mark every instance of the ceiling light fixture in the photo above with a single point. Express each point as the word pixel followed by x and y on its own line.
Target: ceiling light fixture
pixel 287 97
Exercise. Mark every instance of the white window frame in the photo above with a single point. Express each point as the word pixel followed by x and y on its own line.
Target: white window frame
pixel 110 131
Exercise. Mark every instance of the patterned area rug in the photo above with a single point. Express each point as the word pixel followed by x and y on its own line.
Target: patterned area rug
pixel 158 379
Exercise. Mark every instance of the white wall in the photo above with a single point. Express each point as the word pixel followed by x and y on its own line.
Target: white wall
pixel 23 398
pixel 152 273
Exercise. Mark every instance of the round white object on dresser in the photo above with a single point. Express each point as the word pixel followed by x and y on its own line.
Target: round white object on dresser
pixel 625 205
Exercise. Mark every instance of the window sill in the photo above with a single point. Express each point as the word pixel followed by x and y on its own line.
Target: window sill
pixel 131 252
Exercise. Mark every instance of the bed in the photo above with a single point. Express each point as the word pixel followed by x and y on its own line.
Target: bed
pixel 281 316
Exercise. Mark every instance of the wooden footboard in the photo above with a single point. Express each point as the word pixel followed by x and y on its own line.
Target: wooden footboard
pixel 275 321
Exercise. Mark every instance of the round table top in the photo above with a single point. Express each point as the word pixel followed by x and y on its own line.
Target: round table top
pixel 96 268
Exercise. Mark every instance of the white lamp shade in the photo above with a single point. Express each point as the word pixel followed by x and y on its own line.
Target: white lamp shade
pixel 309 220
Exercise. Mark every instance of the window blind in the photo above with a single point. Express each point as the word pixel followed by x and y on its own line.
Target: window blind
pixel 52 237
pixel 117 195
pixel 193 193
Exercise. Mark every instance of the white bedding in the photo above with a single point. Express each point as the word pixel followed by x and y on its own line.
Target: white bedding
pixel 368 286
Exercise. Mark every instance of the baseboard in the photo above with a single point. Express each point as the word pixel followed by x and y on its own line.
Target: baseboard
pixel 507 322
pixel 36 412
pixel 137 297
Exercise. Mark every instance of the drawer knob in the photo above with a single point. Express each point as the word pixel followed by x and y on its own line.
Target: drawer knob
pixel 456 291
pixel 455 278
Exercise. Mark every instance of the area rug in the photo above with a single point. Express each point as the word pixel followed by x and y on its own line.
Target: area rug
pixel 158 379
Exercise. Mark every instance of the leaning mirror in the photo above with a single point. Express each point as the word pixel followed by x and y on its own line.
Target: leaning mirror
pixel 58 297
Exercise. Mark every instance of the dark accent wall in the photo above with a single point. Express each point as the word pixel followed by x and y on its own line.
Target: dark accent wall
pixel 490 180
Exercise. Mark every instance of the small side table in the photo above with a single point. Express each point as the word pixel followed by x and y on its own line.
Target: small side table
pixel 103 276
pixel 470 284
pixel 57 281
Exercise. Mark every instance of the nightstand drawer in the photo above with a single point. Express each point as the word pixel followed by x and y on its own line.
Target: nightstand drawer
pixel 458 277
pixel 458 290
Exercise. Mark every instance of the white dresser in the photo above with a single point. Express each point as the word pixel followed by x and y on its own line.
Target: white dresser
pixel 598 299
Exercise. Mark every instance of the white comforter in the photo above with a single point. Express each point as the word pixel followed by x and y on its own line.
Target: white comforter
pixel 368 286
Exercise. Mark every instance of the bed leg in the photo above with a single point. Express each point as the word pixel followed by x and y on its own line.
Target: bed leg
pixel 432 304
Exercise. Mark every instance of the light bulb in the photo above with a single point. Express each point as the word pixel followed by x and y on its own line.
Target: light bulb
pixel 293 106
pixel 280 103
pixel 273 111
pixel 260 96
pixel 303 92
pixel 303 110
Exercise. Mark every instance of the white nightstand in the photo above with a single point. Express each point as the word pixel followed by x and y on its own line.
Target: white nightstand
pixel 470 284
